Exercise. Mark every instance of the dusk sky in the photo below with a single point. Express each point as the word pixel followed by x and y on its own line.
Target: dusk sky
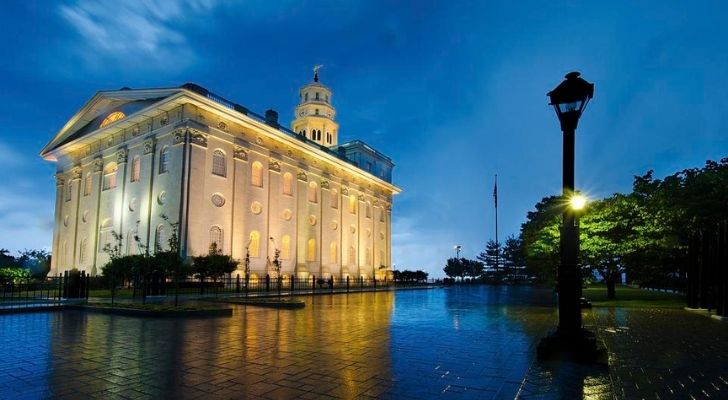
pixel 454 92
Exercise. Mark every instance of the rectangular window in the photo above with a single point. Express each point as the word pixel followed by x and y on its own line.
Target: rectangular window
pixel 87 186
pixel 69 189
pixel 110 181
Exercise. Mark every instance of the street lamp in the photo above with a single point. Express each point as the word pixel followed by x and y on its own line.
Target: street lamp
pixel 569 100
pixel 457 249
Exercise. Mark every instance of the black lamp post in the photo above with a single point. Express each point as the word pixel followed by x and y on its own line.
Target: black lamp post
pixel 569 99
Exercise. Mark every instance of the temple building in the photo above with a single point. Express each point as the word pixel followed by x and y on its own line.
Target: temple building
pixel 135 162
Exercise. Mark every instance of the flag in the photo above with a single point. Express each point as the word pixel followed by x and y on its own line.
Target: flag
pixel 495 191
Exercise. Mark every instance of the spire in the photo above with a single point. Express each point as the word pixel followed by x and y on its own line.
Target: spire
pixel 316 69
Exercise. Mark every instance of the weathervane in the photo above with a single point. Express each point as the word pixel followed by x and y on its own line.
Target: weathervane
pixel 316 69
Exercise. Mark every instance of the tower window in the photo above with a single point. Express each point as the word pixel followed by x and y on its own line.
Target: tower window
pixel 317 112
pixel 306 97
pixel 317 95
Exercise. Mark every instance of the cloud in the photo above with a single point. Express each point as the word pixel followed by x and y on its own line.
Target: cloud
pixel 146 32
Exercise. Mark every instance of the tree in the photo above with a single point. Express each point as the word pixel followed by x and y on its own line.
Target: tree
pixel 473 268
pixel 214 264
pixel 513 257
pixel 540 238
pixel 37 262
pixel 455 268
pixel 6 260
pixel 492 257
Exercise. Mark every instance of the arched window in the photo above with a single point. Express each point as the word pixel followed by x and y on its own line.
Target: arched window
pixel 334 198
pixel 317 95
pixel 164 160
pixel 160 238
pixel 254 244
pixel 256 174
pixel 105 235
pixel 82 252
pixel 333 252
pixel 286 247
pixel 352 255
pixel 136 169
pixel 313 192
pixel 369 210
pixel 305 97
pixel 352 204
pixel 87 184
pixel 316 112
pixel 216 238
pixel 110 176
pixel 218 163
pixel 303 132
pixel 288 184
pixel 311 250
pixel 318 134
pixel 131 244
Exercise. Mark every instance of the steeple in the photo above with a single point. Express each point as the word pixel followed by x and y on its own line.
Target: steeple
pixel 314 115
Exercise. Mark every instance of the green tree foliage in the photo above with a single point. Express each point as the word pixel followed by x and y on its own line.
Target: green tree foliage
pixel 37 262
pixel 514 259
pixel 643 233
pixel 13 275
pixel 410 276
pixel 455 268
pixel 6 260
pixel 213 265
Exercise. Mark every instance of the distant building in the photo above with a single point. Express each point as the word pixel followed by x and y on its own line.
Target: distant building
pixel 228 176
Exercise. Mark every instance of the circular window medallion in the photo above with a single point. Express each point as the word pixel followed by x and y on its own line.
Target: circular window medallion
pixel 162 197
pixel 84 217
pixel 133 204
pixel 256 207
pixel 222 125
pixel 352 229
pixel 312 220
pixel 334 225
pixel 65 220
pixel 217 200
pixel 286 214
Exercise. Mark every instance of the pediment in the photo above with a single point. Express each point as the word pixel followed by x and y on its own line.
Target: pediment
pixel 104 110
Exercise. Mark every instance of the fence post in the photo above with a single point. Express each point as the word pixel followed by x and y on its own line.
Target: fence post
pixel 347 284
pixel 237 283
pixel 375 283
pixel 313 283
pixel 267 283
pixel 361 283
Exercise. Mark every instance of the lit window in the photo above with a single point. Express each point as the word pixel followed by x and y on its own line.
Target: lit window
pixel 286 247
pixel 216 238
pixel 110 176
pixel 381 215
pixel 334 198
pixel 311 250
pixel 256 172
pixel 218 163
pixel 164 160
pixel 87 185
pixel 313 192
pixel 352 204
pixel 113 117
pixel 288 184
pixel 136 169
pixel 254 244
pixel 333 252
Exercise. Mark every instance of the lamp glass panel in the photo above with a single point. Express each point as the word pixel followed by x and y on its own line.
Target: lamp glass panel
pixel 570 107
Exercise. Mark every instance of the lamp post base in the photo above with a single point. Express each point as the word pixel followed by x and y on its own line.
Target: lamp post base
pixel 579 345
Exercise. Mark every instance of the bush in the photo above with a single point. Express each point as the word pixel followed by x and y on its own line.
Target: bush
pixel 14 275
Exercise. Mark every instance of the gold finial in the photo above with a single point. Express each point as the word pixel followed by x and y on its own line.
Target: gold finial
pixel 316 69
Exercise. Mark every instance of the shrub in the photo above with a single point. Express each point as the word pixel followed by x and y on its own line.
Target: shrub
pixel 13 275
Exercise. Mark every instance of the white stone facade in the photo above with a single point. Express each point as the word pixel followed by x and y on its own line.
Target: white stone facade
pixel 226 175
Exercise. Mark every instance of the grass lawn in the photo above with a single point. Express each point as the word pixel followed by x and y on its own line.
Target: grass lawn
pixel 634 298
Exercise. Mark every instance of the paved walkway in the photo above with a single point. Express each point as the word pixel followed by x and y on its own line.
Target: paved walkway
pixel 461 343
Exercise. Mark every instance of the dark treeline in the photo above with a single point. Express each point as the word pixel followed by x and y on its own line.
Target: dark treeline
pixel 410 276
pixel 643 233
pixel 498 263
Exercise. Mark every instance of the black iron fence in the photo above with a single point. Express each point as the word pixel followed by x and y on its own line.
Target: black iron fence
pixel 73 285
pixel 157 285
pixel 708 270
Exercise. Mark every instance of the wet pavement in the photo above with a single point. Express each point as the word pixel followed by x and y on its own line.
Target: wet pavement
pixel 470 343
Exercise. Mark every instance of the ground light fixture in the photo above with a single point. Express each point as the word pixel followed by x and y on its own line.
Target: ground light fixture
pixel 570 340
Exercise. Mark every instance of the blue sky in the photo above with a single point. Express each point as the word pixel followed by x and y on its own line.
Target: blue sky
pixel 453 91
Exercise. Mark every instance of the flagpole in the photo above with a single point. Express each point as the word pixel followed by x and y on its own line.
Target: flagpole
pixel 497 248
